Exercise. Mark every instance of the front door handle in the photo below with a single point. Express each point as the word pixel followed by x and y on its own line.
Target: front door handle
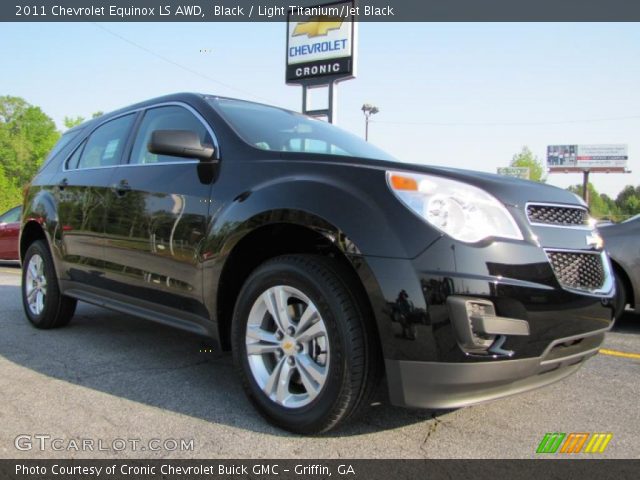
pixel 63 183
pixel 121 188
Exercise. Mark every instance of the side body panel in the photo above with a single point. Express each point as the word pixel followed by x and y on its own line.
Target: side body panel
pixel 622 241
pixel 154 235
pixel 81 198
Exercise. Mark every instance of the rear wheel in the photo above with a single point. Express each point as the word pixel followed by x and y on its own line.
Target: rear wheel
pixel 301 344
pixel 43 303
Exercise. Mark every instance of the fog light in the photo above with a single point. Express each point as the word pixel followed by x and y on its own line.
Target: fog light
pixel 462 310
pixel 479 330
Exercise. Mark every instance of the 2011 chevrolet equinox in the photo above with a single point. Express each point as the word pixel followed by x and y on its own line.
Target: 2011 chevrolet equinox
pixel 316 258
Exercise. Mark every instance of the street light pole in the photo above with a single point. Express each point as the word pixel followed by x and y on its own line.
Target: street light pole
pixel 366 127
pixel 368 110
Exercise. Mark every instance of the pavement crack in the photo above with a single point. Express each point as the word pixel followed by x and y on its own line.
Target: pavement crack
pixel 431 429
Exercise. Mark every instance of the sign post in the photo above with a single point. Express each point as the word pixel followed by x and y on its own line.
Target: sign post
pixel 606 158
pixel 321 51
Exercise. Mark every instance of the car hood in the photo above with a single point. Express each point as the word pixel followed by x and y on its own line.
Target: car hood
pixel 509 190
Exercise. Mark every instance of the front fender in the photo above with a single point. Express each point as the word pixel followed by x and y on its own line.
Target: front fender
pixel 351 219
pixel 315 202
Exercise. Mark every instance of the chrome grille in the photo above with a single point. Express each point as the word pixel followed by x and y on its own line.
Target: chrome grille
pixel 557 215
pixel 582 271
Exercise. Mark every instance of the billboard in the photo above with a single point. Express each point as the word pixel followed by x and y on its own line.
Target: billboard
pixel 578 158
pixel 517 172
pixel 321 43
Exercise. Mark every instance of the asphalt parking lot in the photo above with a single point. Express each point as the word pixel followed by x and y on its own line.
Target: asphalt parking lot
pixel 109 376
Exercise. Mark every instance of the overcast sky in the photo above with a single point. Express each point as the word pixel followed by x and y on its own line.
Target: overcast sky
pixel 464 95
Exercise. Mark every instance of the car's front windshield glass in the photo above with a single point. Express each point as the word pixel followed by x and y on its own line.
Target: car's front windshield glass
pixel 275 129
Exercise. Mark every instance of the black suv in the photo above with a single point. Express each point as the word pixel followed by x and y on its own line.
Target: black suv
pixel 317 259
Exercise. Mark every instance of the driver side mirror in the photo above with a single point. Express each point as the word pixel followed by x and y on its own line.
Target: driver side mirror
pixel 180 143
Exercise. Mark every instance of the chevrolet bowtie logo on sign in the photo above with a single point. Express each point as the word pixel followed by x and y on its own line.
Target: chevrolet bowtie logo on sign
pixel 574 443
pixel 319 27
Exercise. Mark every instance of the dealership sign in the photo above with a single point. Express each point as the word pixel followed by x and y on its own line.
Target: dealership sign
pixel 572 158
pixel 517 172
pixel 321 43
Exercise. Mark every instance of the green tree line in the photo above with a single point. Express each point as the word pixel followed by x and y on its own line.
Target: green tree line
pixel 625 205
pixel 603 207
pixel 27 134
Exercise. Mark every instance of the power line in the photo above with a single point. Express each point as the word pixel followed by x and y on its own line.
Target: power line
pixel 508 124
pixel 176 64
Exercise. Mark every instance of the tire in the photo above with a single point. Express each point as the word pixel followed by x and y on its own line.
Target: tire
pixel 51 309
pixel 332 375
pixel 620 300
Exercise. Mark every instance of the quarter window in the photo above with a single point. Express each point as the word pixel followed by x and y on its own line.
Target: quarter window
pixel 104 146
pixel 72 161
pixel 170 117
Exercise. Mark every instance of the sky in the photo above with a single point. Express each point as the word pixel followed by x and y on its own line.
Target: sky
pixel 464 95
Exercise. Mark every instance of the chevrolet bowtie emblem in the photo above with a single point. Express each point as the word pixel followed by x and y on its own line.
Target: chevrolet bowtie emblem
pixel 595 240
pixel 317 28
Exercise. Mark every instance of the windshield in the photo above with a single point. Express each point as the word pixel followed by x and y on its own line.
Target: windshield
pixel 275 129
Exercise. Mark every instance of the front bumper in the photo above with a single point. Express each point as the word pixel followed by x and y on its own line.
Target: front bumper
pixel 426 365
pixel 453 385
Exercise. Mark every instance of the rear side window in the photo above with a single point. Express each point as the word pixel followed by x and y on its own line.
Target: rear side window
pixel 165 118
pixel 104 146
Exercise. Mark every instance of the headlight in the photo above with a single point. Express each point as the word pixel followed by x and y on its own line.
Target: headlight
pixel 460 210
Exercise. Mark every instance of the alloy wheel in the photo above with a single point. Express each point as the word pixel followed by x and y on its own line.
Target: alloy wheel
pixel 36 285
pixel 287 346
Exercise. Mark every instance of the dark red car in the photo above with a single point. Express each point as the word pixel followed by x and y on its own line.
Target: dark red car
pixel 9 233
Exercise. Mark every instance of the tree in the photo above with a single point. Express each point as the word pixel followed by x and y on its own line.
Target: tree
pixel 71 122
pixel 526 158
pixel 10 195
pixel 601 205
pixel 27 134
pixel 628 200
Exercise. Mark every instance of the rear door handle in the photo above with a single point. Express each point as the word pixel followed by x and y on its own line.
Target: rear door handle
pixel 121 188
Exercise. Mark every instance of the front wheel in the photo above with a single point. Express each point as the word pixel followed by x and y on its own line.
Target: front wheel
pixel 43 303
pixel 620 300
pixel 301 344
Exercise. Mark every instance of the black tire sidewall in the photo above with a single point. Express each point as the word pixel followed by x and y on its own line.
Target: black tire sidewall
pixel 328 400
pixel 620 300
pixel 44 319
